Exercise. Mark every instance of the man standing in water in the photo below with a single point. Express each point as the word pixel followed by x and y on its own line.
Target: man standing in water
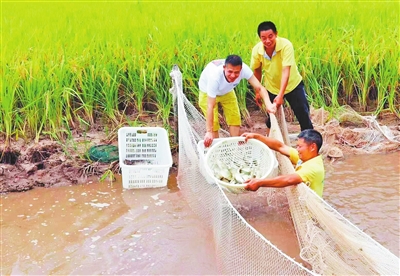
pixel 273 59
pixel 309 164
pixel 216 85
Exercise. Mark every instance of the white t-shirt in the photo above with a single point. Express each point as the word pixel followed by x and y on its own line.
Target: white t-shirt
pixel 212 80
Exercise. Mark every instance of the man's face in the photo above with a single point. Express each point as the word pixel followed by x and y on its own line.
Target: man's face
pixel 232 72
pixel 268 39
pixel 305 150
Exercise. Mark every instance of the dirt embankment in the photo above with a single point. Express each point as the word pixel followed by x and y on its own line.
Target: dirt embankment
pixel 25 165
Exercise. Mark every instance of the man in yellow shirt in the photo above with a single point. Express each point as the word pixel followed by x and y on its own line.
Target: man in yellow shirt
pixel 309 164
pixel 272 60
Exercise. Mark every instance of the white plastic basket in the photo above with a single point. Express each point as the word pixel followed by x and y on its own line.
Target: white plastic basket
pixel 203 150
pixel 236 155
pixel 144 156
pixel 202 156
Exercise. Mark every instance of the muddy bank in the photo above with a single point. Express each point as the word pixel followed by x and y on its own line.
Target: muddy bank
pixel 26 164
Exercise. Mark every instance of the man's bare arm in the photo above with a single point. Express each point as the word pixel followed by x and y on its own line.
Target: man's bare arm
pixel 270 142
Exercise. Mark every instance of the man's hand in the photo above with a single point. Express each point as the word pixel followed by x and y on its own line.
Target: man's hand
pixel 271 108
pixel 258 99
pixel 248 135
pixel 252 185
pixel 208 139
pixel 278 101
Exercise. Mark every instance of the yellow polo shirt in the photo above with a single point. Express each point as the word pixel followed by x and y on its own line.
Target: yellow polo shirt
pixel 272 68
pixel 312 172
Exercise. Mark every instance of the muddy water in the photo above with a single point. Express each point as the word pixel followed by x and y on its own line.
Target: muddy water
pixel 365 189
pixel 100 228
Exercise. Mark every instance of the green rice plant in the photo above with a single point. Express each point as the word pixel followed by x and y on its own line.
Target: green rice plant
pixel 134 123
pixel 333 81
pixel 75 64
pixel 242 91
pixel 386 81
pixel 366 82
pixel 8 122
pixel 348 80
pixel 72 112
pixel 163 98
pixel 315 96
pixel 108 98
pixel 86 93
pixel 53 102
pixel 133 89
pixel 382 95
pixel 393 85
pixel 356 70
pixel 108 174
pixel 389 82
pixel 31 98
pixel 312 71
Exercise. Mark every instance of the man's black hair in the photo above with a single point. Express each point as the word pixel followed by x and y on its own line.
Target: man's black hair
pixel 234 60
pixel 311 136
pixel 265 26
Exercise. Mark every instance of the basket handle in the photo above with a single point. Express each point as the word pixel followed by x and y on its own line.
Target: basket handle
pixel 239 139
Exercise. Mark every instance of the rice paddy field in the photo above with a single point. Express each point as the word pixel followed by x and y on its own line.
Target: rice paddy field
pixel 71 64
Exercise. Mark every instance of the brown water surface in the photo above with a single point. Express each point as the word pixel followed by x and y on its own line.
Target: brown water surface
pixel 365 189
pixel 100 228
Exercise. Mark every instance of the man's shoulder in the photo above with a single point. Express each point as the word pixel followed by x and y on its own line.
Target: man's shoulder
pixel 246 71
pixel 283 40
pixel 316 162
pixel 215 66
pixel 212 72
pixel 245 66
pixel 218 62
pixel 282 43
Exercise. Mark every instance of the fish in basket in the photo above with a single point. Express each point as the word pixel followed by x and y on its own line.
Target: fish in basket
pixel 232 161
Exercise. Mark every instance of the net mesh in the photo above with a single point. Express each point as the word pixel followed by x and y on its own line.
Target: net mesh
pixel 328 243
pixel 103 153
pixel 349 132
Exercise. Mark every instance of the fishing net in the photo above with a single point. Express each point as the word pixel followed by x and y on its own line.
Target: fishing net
pixel 103 153
pixel 347 132
pixel 328 243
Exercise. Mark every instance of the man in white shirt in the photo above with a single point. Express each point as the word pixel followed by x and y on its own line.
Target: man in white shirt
pixel 216 85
